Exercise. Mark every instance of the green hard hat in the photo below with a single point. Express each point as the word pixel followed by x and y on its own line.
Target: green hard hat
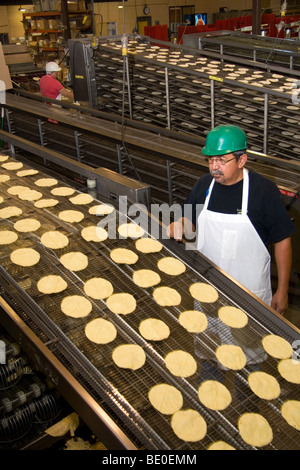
pixel 225 139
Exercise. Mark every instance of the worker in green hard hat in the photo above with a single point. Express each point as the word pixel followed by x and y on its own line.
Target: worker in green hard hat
pixel 236 214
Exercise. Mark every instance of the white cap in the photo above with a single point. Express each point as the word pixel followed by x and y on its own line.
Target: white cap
pixel 52 67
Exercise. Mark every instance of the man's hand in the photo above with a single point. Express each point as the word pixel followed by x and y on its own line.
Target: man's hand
pixel 280 302
pixel 182 226
pixel 175 230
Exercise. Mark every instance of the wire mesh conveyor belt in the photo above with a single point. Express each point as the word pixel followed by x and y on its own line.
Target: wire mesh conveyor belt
pixel 125 391
pixel 188 91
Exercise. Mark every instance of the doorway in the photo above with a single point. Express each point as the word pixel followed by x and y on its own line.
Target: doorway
pixel 143 21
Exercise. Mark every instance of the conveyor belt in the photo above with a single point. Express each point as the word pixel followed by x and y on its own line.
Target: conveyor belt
pixel 125 392
pixel 169 162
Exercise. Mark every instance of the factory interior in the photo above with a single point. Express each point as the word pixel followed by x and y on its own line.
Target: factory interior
pixel 105 341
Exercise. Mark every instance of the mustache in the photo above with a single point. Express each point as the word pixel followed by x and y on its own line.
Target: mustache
pixel 216 173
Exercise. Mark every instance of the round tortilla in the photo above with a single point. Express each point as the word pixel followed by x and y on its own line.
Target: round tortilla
pixel 98 288
pixel 29 172
pixel 193 321
pixel 16 190
pixel 255 429
pixel 148 245
pixel 101 209
pixel 264 385
pixel 231 356
pixel 145 278
pixel 180 363
pixel 81 199
pixel 277 346
pixel 4 178
pixel 121 303
pixel 188 425
pixel 233 316
pixel 220 445
pixel 7 237
pixel 25 257
pixel 129 356
pixel 130 230
pixel 29 195
pixel 154 329
pixel 171 266
pixel 12 165
pixel 46 203
pixel 74 261
pixel 76 306
pixel 46 182
pixel 166 296
pixel 51 284
pixel 289 369
pixel 100 331
pixel 290 411
pixel 54 240
pixel 165 398
pixel 214 395
pixel 71 216
pixel 123 256
pixel 63 191
pixel 3 158
pixel 10 211
pixel 27 225
pixel 94 234
pixel 203 292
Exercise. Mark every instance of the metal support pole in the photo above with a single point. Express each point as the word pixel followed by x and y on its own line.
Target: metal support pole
pixel 65 19
pixel 256 17
pixel 266 119
pixel 41 136
pixel 169 182
pixel 76 135
pixel 128 86
pixel 168 98
pixel 212 103
pixel 119 152
pixel 11 146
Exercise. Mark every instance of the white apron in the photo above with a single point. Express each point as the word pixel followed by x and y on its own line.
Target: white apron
pixel 231 242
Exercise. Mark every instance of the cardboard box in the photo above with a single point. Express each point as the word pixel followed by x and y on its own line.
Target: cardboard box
pixel 42 24
pixel 72 6
pixel 53 24
pixel 37 5
pixel 53 5
pixel 45 5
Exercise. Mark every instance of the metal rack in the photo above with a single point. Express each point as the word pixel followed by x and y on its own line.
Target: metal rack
pixel 191 91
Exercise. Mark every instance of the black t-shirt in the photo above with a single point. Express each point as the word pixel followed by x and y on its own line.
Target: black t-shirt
pixel 266 209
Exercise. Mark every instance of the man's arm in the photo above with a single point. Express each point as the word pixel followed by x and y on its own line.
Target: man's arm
pixel 67 93
pixel 283 259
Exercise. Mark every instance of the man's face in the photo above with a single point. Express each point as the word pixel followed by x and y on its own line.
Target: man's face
pixel 225 169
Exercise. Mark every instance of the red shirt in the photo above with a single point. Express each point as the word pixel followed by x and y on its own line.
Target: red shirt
pixel 50 87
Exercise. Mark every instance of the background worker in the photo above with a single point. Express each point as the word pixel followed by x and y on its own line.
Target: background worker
pixel 50 86
pixel 242 214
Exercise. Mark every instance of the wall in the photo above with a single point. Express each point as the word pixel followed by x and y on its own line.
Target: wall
pixel 159 11
pixel 11 18
pixel 15 17
pixel 3 20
